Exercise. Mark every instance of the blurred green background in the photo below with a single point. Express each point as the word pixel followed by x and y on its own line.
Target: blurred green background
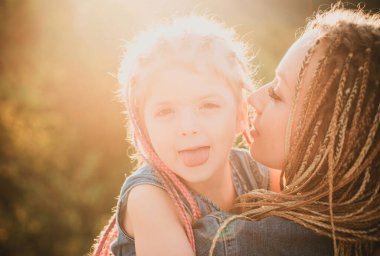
pixel 63 153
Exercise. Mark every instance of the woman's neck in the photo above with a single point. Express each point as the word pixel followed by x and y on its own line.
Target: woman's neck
pixel 219 188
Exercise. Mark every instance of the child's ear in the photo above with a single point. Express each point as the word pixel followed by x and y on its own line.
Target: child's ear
pixel 242 117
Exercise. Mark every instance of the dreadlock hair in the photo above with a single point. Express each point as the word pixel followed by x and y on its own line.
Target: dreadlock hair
pixel 332 166
pixel 199 44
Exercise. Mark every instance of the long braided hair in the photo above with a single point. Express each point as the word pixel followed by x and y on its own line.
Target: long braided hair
pixel 332 169
pixel 200 44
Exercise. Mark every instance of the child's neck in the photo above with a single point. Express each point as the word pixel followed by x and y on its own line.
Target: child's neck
pixel 219 189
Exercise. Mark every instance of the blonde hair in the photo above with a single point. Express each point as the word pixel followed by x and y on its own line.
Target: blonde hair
pixel 332 169
pixel 197 42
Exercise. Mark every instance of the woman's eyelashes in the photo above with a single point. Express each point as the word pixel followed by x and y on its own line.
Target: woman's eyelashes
pixel 272 93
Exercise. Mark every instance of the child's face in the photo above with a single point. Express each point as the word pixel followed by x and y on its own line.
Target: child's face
pixel 191 119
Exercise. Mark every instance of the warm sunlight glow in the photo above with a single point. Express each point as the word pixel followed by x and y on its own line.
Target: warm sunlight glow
pixel 63 143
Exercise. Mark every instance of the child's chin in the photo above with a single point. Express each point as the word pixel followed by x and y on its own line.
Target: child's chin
pixel 202 178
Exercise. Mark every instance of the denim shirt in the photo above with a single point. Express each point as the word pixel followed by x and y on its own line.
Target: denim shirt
pixel 246 174
pixel 272 236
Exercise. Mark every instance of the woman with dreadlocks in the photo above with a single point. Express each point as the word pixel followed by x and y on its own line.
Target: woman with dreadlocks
pixel 318 121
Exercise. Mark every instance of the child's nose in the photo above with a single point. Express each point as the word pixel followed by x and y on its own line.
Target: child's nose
pixel 188 123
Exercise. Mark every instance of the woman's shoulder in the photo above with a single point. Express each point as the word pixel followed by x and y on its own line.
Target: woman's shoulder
pixel 251 173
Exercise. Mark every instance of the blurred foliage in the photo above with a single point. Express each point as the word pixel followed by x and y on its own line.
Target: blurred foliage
pixel 63 154
pixel 62 147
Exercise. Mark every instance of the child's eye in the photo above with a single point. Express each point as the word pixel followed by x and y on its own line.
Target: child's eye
pixel 273 94
pixel 164 112
pixel 209 105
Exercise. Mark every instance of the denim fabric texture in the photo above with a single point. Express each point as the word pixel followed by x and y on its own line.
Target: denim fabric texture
pixel 246 173
pixel 272 236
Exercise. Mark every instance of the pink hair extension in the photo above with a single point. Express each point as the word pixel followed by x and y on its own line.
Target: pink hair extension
pixel 108 234
pixel 171 183
pixel 171 189
pixel 176 182
pixel 152 157
pixel 170 180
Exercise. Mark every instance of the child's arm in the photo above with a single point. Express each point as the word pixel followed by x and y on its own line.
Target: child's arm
pixel 152 219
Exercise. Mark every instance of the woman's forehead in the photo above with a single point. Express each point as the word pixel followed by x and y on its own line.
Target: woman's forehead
pixel 291 62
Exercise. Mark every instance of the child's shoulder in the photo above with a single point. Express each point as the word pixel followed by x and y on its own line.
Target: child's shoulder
pixel 240 152
pixel 144 175
pixel 243 157
pixel 251 172
pixel 141 192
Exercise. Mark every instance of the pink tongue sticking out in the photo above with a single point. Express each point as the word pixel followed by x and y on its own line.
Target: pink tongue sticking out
pixel 195 157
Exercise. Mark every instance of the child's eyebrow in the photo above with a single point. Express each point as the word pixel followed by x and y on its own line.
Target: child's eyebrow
pixel 209 96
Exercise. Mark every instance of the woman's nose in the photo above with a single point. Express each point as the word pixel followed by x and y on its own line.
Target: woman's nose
pixel 257 99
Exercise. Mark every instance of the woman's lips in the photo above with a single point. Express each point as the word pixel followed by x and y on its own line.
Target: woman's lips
pixel 195 156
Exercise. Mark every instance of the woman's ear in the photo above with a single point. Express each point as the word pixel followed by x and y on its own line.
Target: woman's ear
pixel 242 117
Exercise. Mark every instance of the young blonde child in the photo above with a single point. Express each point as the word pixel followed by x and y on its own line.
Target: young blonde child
pixel 182 83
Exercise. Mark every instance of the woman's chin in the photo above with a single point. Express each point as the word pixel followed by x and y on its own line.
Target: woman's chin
pixel 264 157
